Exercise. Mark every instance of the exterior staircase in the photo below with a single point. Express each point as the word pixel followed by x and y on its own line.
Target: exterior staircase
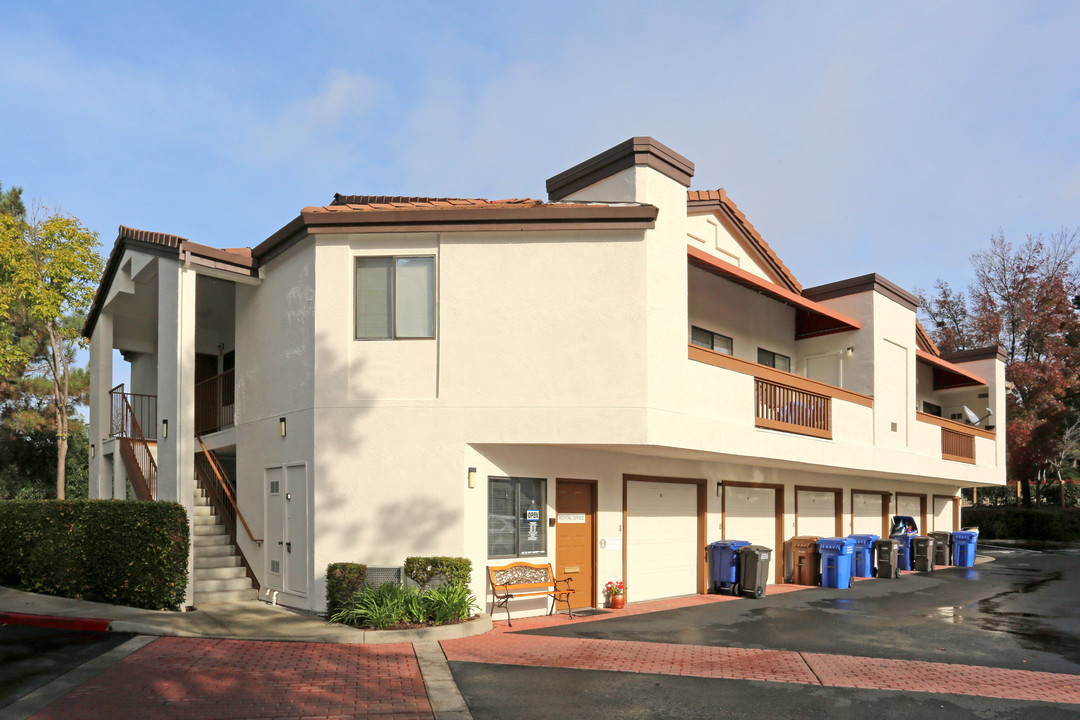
pixel 220 576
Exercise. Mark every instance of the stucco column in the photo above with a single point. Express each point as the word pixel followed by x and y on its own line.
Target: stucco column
pixel 101 374
pixel 176 387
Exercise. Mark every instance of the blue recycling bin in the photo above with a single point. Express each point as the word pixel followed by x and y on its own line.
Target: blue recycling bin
pixel 864 554
pixel 963 554
pixel 725 565
pixel 836 555
pixel 903 529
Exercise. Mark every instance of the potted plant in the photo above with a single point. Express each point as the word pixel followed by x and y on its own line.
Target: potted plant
pixel 616 593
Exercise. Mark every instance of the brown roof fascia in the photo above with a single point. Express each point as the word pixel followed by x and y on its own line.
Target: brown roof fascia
pixel 990 352
pixel 481 219
pixel 924 341
pixel 635 151
pixel 864 283
pixel 213 253
pixel 718 201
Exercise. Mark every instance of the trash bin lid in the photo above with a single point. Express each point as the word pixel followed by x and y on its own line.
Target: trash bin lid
pixel 864 539
pixel 729 543
pixel 844 545
pixel 755 549
pixel 903 525
pixel 965 535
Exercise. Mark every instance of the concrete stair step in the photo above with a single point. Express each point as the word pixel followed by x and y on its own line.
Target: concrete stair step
pixel 227 572
pixel 210 540
pixel 229 560
pixel 212 528
pixel 213 549
pixel 225 596
pixel 206 519
pixel 202 511
pixel 223 584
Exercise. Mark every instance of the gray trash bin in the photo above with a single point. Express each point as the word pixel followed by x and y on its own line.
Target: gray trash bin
pixel 922 553
pixel 753 570
pixel 885 552
pixel 942 551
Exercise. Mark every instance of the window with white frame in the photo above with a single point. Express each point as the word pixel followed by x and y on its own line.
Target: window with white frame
pixel 516 516
pixel 395 297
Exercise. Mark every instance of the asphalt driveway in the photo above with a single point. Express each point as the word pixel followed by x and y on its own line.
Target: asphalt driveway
pixel 1017 612
pixel 1001 640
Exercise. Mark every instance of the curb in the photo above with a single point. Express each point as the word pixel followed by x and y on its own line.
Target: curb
pixel 55 621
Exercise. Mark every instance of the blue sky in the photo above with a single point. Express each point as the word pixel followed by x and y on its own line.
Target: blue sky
pixel 858 137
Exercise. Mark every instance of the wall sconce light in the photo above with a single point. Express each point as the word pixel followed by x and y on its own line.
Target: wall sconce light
pixel 93 451
pixel 281 426
pixel 720 488
pixel 164 429
pixel 472 477
pixel 849 351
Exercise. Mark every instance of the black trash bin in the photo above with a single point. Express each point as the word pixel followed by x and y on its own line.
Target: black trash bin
pixel 885 551
pixel 942 551
pixel 922 553
pixel 753 570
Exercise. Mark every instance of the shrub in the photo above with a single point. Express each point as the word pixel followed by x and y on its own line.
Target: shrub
pixel 1013 523
pixel 422 570
pixel 343 580
pixel 115 551
pixel 391 605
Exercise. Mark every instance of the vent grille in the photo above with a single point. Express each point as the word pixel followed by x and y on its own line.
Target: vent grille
pixel 275 567
pixel 377 576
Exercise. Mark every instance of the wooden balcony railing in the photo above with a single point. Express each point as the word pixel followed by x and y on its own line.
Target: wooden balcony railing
pixel 957 439
pixel 132 412
pixel 957 446
pixel 214 403
pixel 780 407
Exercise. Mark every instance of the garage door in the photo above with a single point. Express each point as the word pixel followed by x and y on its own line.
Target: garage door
pixel 815 513
pixel 911 506
pixel 943 514
pixel 661 539
pixel 865 514
pixel 750 514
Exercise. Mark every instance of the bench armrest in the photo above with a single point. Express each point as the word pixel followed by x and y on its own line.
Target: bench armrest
pixel 569 583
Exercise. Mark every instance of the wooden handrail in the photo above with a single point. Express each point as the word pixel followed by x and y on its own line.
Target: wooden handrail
pixel 746 367
pixel 138 447
pixel 226 490
pixel 955 426
pixel 780 407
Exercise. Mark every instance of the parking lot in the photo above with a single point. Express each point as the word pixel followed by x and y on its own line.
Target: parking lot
pixel 1001 639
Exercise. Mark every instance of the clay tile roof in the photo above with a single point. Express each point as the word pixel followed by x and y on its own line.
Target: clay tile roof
pixel 147 236
pixel 401 202
pixel 705 198
pixel 924 341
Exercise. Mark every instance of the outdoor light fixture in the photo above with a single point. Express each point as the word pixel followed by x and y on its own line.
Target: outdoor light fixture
pixel 93 451
pixel 281 426
pixel 472 477
pixel 849 351
pixel 164 429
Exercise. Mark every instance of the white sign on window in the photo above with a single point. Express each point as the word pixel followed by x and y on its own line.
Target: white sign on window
pixel 572 518
pixel 532 515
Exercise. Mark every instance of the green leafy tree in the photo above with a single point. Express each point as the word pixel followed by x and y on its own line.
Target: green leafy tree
pixel 49 268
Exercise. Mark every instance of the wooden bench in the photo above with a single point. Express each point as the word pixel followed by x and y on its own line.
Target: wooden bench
pixel 524 579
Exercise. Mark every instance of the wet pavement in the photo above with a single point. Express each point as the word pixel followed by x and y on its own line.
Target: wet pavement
pixel 1018 612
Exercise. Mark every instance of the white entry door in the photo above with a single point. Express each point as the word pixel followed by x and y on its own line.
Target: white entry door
pixel 661 539
pixel 287 566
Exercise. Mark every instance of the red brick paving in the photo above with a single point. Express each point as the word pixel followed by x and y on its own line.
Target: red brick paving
pixel 218 679
pixel 506 646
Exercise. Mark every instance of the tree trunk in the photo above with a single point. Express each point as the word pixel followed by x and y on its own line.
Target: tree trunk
pixel 61 464
pixel 1025 492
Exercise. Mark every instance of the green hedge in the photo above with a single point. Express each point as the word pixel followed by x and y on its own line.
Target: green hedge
pixel 115 551
pixel 343 580
pixel 1013 523
pixel 421 570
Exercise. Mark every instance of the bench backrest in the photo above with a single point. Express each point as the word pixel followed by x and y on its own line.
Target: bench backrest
pixel 521 575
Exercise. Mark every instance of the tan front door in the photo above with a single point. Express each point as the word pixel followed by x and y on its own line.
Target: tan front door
pixel 575 508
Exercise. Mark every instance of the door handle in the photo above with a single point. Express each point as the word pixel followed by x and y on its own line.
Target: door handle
pixel 288 547
pixel 279 542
